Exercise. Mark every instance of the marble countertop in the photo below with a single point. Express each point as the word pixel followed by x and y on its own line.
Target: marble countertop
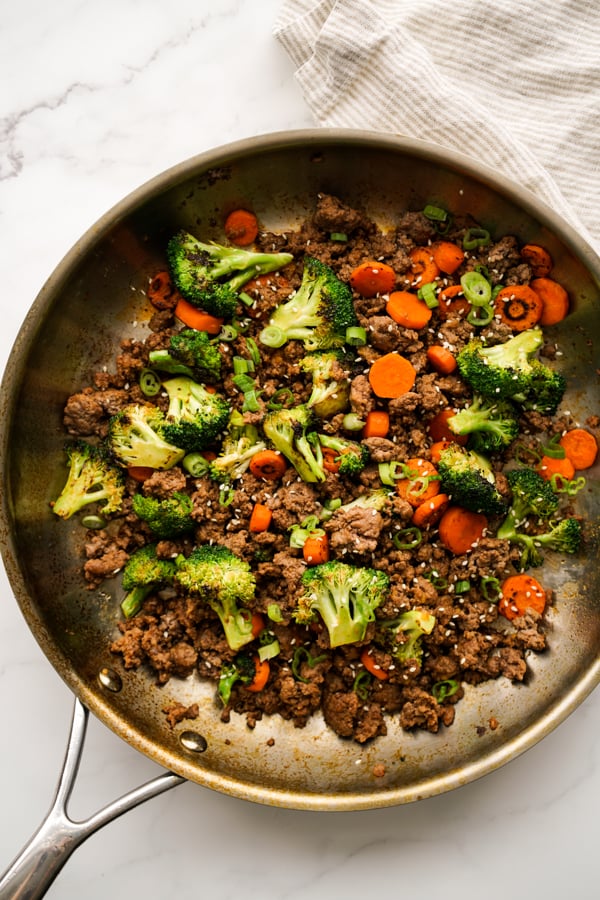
pixel 96 99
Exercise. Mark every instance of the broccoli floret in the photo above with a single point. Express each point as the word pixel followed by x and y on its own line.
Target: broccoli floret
pixel 210 275
pixel 240 443
pixel 510 370
pixel 226 583
pixel 167 518
pixel 351 456
pixel 91 478
pixel 490 424
pixel 190 353
pixel 403 635
pixel 195 416
pixel 330 382
pixel 291 432
pixel 469 480
pixel 144 571
pixel 318 313
pixel 532 496
pixel 135 438
pixel 345 597
pixel 243 668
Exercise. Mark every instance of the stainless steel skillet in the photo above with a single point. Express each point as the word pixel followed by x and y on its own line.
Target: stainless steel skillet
pixel 94 297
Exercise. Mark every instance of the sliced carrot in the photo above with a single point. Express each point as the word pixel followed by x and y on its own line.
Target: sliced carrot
pixel 549 466
pixel 441 359
pixel 392 375
pixel 196 318
pixel 377 424
pixel 520 593
pixel 439 430
pixel 420 486
pixel 408 310
pixel 437 448
pixel 372 667
pixel 518 306
pixel 331 459
pixel 460 529
pixel 260 518
pixel 423 266
pixel 258 623
pixel 140 473
pixel 268 464
pixel 447 256
pixel 580 447
pixel 241 227
pixel 160 287
pixel 261 675
pixel 555 300
pixel 452 303
pixel 429 513
pixel 316 549
pixel 372 277
pixel 538 258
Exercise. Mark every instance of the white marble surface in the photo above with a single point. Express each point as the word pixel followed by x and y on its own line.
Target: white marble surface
pixel 95 99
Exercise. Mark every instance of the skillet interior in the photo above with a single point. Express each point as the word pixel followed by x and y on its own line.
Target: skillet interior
pixel 95 296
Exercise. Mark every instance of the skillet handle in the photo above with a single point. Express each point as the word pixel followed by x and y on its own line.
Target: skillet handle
pixel 42 858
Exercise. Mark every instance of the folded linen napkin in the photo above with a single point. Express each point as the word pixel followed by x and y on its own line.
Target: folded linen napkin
pixel 515 84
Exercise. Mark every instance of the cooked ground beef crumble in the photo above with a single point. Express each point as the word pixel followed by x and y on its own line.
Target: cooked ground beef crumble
pixel 176 635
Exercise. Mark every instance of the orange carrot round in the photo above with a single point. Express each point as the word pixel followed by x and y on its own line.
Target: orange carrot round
pixel 429 513
pixel 241 227
pixel 408 310
pixel 140 473
pixel 372 667
pixel 421 486
pixel 392 375
pixel 549 466
pixel 452 303
pixel 423 266
pixel 268 464
pixel 439 430
pixel 331 459
pixel 260 518
pixel 160 287
pixel 196 318
pixel 441 359
pixel 518 306
pixel 437 448
pixel 447 256
pixel 261 675
pixel 372 277
pixel 520 593
pixel 258 623
pixel 377 424
pixel 316 549
pixel 538 258
pixel 580 447
pixel 460 529
pixel 555 300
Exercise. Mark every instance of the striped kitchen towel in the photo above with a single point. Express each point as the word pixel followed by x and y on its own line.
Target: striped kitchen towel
pixel 514 84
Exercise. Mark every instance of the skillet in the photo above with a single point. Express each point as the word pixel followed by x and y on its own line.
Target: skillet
pixel 94 298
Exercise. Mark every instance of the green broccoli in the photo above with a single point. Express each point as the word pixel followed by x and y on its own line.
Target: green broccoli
pixel 210 275
pixel 243 668
pixel 330 382
pixel 403 636
pixel 191 353
pixel 195 416
pixel 490 424
pixel 166 518
pixel 143 572
pixel 291 432
pixel 533 497
pixel 469 480
pixel 351 456
pixel 135 438
pixel 92 478
pixel 226 583
pixel 510 370
pixel 375 499
pixel 345 597
pixel 241 442
pixel 318 313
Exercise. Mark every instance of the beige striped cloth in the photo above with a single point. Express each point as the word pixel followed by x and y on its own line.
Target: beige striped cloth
pixel 512 83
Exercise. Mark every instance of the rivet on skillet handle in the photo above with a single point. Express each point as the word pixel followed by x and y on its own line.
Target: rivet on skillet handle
pixel 40 861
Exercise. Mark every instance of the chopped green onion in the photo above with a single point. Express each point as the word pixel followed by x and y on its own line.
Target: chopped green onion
pixel 149 383
pixel 245 298
pixel 274 612
pixel 562 485
pixel 435 213
pixel 490 588
pixel 301 655
pixel 553 449
pixel 438 581
pixel 227 333
pixel 338 236
pixel 461 587
pixel 281 398
pixel 443 689
pixel 476 288
pixel 253 351
pixel 407 539
pixel 93 522
pixel 196 464
pixel 352 422
pixel 356 336
pixel 480 316
pixel 268 645
pixel 244 382
pixel 226 495
pixel 272 336
pixel 427 293
pixel 333 503
pixel 483 270
pixel 240 365
pixel 361 684
pixel 251 403
pixel 527 456
pixel 476 237
pixel 390 472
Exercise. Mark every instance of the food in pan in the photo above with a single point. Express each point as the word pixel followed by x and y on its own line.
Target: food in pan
pixel 329 475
